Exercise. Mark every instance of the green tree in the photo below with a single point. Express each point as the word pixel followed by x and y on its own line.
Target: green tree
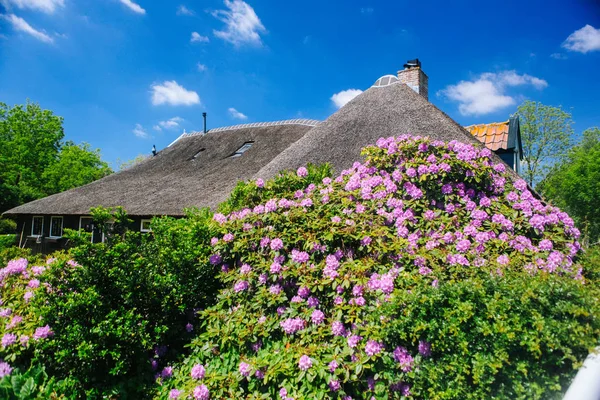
pixel 30 140
pixel 76 165
pixel 34 162
pixel 546 135
pixel 574 184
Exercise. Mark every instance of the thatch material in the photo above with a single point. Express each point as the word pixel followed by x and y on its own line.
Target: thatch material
pixel 169 182
pixel 378 112
pixel 172 180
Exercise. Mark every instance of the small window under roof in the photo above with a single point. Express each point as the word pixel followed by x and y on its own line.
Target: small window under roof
pixel 197 154
pixel 242 149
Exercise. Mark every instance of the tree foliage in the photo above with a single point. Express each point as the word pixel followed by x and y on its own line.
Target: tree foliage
pixel 574 184
pixel 546 136
pixel 76 166
pixel 30 140
pixel 34 161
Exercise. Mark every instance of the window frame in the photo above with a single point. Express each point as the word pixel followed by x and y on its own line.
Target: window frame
pixel 242 149
pixel 62 226
pixel 142 225
pixel 32 225
pixel 80 227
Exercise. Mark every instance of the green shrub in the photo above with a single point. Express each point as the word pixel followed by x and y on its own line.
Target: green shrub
pixel 124 308
pixel 7 241
pixel 7 226
pixel 285 184
pixel 423 273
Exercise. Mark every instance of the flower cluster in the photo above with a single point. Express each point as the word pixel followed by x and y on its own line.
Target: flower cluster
pixel 313 278
pixel 19 323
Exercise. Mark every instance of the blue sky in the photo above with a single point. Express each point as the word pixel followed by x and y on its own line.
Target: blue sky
pixel 127 74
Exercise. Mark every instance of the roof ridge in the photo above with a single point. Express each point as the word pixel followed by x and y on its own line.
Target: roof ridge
pixel 296 121
pixel 488 123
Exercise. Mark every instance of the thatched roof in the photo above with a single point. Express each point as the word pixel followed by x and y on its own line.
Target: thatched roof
pixel 378 112
pixel 173 179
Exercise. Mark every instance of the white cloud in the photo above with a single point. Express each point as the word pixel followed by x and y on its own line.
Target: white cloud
pixel 201 67
pixel 198 38
pixel 367 10
pixel 340 99
pixel 487 93
pixel 242 25
pixel 236 114
pixel 183 10
pixel 47 6
pixel 559 56
pixel 20 24
pixel 139 131
pixel 583 40
pixel 478 97
pixel 133 6
pixel 169 92
pixel 172 123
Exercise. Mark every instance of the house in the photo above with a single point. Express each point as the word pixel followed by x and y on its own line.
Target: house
pixel 503 138
pixel 200 169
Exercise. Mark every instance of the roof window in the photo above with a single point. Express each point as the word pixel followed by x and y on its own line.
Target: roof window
pixel 242 150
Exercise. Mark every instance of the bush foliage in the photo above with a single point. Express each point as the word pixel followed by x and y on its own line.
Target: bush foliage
pixel 423 273
pixel 127 307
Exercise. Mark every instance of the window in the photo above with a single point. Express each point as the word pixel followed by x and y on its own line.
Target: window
pixel 56 227
pixel 37 226
pixel 242 150
pixel 197 154
pixel 145 225
pixel 86 223
pixel 108 230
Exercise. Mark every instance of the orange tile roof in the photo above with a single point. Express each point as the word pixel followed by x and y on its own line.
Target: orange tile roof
pixel 494 135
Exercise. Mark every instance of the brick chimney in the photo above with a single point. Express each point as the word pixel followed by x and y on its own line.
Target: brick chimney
pixel 413 76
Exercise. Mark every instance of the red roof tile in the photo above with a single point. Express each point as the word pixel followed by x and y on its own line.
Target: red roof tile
pixel 494 135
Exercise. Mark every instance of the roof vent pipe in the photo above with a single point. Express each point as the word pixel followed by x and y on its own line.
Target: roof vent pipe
pixel 204 116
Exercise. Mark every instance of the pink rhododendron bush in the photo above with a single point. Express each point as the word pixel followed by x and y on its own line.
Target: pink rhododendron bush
pixel 426 272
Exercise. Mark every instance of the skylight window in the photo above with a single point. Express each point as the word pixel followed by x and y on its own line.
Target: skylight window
pixel 197 154
pixel 242 150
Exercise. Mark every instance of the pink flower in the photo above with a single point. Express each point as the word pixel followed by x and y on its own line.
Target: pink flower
pixel 244 369
pixel 198 371
pixel 201 393
pixel 174 394
pixel 332 366
pixel 42 333
pixel 260 183
pixel 228 237
pixel 167 372
pixel 317 317
pixel 373 348
pixel 424 348
pixel 334 385
pixel 353 340
pixel 240 286
pixel 337 328
pixel 276 244
pixel 299 256
pixel 503 259
pixel 403 357
pixel 302 172
pixel 304 363
pixel 245 269
pixel 8 339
